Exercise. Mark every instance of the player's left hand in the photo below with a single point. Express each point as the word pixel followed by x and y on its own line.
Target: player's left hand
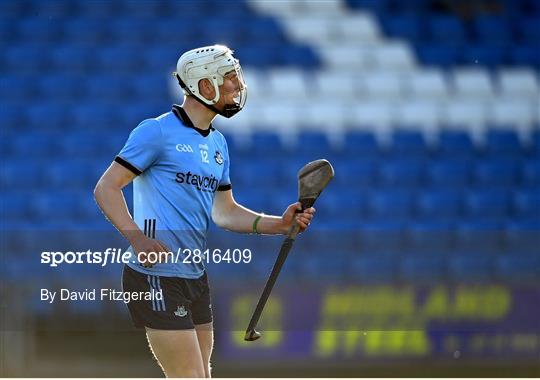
pixel 303 219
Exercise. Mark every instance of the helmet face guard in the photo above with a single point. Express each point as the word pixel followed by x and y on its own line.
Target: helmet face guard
pixel 213 63
pixel 230 110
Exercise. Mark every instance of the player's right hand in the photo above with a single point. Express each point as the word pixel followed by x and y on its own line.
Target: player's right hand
pixel 150 251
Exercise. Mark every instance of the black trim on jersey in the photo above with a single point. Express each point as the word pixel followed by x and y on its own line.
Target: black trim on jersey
pixel 181 114
pixel 224 187
pixel 150 228
pixel 127 165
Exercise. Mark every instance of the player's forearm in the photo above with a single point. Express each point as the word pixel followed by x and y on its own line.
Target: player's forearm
pixel 111 201
pixel 240 219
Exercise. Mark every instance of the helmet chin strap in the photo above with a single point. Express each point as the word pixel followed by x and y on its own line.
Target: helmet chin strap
pixel 229 110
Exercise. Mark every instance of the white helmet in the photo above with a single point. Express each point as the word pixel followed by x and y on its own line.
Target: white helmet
pixel 212 63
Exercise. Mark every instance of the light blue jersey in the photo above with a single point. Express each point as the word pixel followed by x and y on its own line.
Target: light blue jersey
pixel 179 168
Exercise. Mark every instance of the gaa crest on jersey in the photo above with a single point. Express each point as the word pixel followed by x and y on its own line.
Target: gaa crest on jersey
pixel 218 158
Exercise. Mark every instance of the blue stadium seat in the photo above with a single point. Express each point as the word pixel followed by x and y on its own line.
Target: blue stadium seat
pixel 308 141
pixel 71 174
pixel 379 7
pixel 536 140
pixel 55 207
pixel 148 86
pixel 48 115
pixel 527 204
pixel 390 204
pixel 381 237
pixel 408 143
pixel 24 264
pixel 448 30
pixel 530 175
pixel 423 268
pixel 194 8
pixel 518 9
pixel 54 9
pixel 73 58
pixel 495 173
pixel 13 116
pixel 37 144
pixel 373 269
pixel 492 30
pixel 341 203
pixel 479 236
pixel 430 237
pixel 20 88
pixel 403 26
pixel 25 58
pixel 360 143
pixel 276 203
pixel 98 8
pixel 108 86
pixel 524 55
pixel 8 30
pixel 434 54
pixel 241 10
pixel 439 205
pixel 85 30
pixel 518 268
pixel 298 55
pixel 162 58
pixel 118 59
pixel 267 31
pixel 266 143
pixel 15 206
pixel 413 6
pixel 96 116
pixel 39 29
pixel 528 29
pixel 21 174
pixel 357 172
pixel 402 173
pixel 449 173
pixel 14 237
pixel 5 145
pixel 485 55
pixel 228 31
pixel 487 204
pixel 503 141
pixel 132 114
pixel 61 86
pixel 455 143
pixel 258 56
pixel 131 32
pixel 249 171
pixel 12 9
pixel 316 268
pixel 173 31
pixel 86 144
pixel 471 268
pixel 142 8
pixel 522 236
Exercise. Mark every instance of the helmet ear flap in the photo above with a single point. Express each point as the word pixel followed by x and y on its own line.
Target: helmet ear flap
pixel 182 84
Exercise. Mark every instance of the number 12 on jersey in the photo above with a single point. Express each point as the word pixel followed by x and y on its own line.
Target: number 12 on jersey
pixel 204 156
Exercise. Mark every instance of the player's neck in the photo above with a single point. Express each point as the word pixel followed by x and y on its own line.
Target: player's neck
pixel 200 116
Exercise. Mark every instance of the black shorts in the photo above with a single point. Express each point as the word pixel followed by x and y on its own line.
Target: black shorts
pixel 185 302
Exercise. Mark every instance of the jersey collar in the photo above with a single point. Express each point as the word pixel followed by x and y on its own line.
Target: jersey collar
pixel 181 114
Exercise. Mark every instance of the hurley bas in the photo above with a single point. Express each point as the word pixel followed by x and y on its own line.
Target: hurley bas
pixel 100 295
